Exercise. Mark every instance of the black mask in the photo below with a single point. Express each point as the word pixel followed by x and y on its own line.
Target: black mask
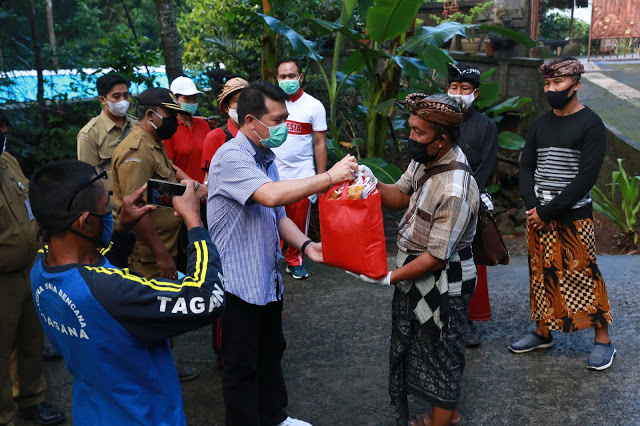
pixel 559 100
pixel 168 128
pixel 418 151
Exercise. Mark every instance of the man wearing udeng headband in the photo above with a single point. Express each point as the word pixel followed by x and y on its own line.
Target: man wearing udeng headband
pixel 436 273
pixel 560 163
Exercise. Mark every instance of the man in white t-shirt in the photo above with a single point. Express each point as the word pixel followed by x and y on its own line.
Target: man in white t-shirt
pixel 307 124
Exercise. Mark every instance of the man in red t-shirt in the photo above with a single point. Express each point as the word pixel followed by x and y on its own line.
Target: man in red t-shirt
pixel 184 149
pixel 228 102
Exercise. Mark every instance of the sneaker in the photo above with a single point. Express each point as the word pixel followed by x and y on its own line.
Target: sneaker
pixel 187 372
pixel 49 353
pixel 601 356
pixel 473 337
pixel 293 422
pixel 42 413
pixel 297 272
pixel 530 342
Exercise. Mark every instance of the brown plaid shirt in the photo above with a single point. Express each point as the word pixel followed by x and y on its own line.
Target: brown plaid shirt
pixel 442 214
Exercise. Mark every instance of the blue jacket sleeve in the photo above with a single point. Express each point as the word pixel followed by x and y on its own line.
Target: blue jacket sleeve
pixel 119 249
pixel 154 310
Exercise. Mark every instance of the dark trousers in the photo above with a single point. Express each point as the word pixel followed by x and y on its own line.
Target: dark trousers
pixel 21 342
pixel 252 348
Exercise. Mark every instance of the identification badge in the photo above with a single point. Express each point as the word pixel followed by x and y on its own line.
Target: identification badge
pixel 28 206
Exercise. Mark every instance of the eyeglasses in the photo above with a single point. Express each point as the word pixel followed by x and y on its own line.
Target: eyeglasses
pixel 101 173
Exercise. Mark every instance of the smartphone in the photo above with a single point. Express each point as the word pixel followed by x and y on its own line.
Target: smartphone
pixel 161 193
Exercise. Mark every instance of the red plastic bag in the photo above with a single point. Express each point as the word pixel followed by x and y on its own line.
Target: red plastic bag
pixel 352 233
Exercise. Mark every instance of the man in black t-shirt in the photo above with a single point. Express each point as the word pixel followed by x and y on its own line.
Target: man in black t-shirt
pixel 560 163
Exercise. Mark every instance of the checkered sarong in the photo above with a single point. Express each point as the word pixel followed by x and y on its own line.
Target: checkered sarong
pixel 429 295
pixel 567 289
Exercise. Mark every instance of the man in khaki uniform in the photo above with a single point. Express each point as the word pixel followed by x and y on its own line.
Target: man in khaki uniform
pixel 102 134
pixel 21 338
pixel 139 157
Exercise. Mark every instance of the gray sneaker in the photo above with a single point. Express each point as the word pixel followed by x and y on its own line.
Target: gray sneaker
pixel 601 356
pixel 530 342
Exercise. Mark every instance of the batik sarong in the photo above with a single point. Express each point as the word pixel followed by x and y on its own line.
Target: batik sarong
pixel 567 289
pixel 426 364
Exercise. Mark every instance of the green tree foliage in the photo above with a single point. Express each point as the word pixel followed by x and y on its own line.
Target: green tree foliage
pixel 230 31
pixel 555 26
pixel 221 31
pixel 79 26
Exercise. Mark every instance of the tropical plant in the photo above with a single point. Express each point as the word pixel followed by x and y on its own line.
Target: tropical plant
pixel 389 55
pixel 624 215
pixel 465 17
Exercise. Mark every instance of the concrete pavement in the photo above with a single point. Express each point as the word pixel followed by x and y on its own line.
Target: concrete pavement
pixel 335 366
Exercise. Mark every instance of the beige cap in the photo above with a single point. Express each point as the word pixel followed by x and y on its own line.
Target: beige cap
pixel 231 86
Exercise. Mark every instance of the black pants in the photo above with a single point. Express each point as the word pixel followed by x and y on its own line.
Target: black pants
pixel 252 348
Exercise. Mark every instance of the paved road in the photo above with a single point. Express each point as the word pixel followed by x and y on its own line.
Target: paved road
pixel 612 90
pixel 335 366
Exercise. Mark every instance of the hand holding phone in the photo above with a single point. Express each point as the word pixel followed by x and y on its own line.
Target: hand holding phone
pixel 161 193
pixel 187 206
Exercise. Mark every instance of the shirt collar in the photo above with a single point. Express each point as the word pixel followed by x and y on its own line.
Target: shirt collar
pixel 265 157
pixel 447 158
pixel 107 121
pixel 296 97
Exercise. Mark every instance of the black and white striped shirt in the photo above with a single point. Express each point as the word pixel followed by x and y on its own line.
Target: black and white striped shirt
pixel 560 164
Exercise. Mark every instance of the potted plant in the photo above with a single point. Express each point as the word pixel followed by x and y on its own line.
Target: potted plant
pixel 471 43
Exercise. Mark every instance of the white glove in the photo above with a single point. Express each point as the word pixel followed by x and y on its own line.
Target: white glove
pixel 313 198
pixel 384 281
pixel 366 172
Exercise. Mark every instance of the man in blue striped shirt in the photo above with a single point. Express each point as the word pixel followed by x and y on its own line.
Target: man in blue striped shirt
pixel 247 219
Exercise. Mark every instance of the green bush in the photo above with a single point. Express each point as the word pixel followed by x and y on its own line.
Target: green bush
pixel 624 215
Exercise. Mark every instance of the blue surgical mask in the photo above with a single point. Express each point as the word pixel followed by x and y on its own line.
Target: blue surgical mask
pixel 190 108
pixel 107 228
pixel 277 135
pixel 104 239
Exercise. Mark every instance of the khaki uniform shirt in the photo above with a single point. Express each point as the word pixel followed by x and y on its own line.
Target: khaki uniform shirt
pixel 18 244
pixel 137 159
pixel 99 138
pixel 442 214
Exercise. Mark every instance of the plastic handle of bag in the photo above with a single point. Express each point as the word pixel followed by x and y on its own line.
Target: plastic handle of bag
pixel 330 191
pixel 345 190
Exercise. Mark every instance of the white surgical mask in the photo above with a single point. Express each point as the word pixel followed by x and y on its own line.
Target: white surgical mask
pixel 233 114
pixel 464 101
pixel 119 109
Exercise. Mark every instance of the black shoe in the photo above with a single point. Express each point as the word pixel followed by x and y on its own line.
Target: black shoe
pixel 49 353
pixel 473 338
pixel 187 372
pixel 42 413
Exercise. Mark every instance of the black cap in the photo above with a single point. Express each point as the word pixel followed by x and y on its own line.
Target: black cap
pixel 463 73
pixel 159 96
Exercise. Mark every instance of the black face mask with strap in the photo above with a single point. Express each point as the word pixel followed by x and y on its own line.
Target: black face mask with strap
pixel 418 151
pixel 559 100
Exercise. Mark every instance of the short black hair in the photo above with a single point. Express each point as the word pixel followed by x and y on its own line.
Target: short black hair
pixel 285 60
pixel 251 100
pixel 439 130
pixel 53 185
pixel 142 110
pixel 105 83
pixel 3 118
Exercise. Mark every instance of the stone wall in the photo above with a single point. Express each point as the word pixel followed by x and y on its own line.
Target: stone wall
pixel 519 11
pixel 516 77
